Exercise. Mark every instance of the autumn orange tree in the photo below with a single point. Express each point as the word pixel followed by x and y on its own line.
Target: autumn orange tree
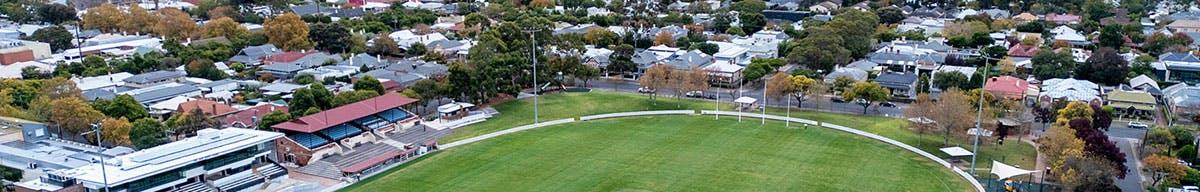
pixel 116 131
pixel 288 32
pixel 106 18
pixel 1164 169
pixel 656 77
pixel 223 27
pixel 175 24
pixel 664 38
pixel 138 20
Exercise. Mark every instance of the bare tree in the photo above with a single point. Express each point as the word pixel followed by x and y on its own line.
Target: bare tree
pixel 919 113
pixel 656 77
pixel 953 113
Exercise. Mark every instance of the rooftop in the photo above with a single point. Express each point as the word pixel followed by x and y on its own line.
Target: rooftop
pixel 209 143
pixel 346 113
pixel 153 76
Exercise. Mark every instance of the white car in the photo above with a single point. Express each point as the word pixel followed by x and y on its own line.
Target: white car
pixel 1139 125
pixel 694 94
pixel 645 90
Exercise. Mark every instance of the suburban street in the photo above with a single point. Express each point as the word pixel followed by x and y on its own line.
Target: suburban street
pixel 728 95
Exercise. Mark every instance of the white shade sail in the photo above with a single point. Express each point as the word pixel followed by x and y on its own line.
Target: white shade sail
pixel 1004 171
pixel 745 100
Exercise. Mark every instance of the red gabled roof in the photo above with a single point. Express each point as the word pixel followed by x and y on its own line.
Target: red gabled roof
pixel 211 108
pixel 287 56
pixel 245 117
pixel 1021 50
pixel 345 113
pixel 1007 86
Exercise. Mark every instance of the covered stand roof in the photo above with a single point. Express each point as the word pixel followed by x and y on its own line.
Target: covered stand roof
pixel 346 113
pixel 745 100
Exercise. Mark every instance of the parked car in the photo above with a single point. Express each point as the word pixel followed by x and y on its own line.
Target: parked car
pixel 696 94
pixel 645 90
pixel 710 96
pixel 888 104
pixel 1138 125
pixel 837 99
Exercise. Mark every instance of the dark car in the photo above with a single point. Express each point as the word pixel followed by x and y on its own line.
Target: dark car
pixel 837 100
pixel 887 104
pixel 710 96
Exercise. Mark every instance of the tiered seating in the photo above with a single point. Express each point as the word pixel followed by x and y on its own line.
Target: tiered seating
pixel 321 168
pixel 247 179
pixel 340 132
pixel 309 140
pixel 193 187
pixel 393 115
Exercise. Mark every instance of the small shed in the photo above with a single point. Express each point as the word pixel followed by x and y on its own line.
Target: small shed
pixel 454 110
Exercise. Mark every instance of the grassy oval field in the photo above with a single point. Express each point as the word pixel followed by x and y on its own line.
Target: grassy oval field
pixel 671 153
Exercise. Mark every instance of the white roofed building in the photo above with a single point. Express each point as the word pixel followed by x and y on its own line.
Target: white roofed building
pixel 237 158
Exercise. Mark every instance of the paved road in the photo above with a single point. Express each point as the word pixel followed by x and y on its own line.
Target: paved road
pixel 1133 178
pixel 728 95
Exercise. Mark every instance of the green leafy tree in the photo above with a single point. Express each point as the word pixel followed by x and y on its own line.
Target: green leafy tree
pixel 146 133
pixel 869 92
pixel 272 118
pixel 191 121
pixel 752 22
pixel 822 49
pixel 57 36
pixel 621 60
pixel 1104 66
pixel 369 83
pixel 890 15
pixel 1112 36
pixel 349 97
pixel 948 79
pixel 55 13
pixel 749 6
pixel 416 49
pixel 330 37
pixel 121 106
pixel 1047 64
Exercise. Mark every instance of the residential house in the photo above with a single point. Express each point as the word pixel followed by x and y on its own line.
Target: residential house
pixel 13 51
pixel 1185 26
pixel 280 89
pixel 14 70
pixel 597 57
pixel 1145 84
pixel 241 156
pixel 1024 17
pixel 342 130
pixel 996 13
pixel 253 55
pixel 762 44
pixel 363 59
pixel 1022 50
pixel 108 82
pixel 732 53
pixel 249 117
pixel 331 71
pixel 1132 102
pixel 1008 87
pixel 153 78
pixel 208 107
pixel 152 95
pixel 689 59
pixel 224 85
pixel 724 73
pixel 1063 19
pixel 901 84
pixel 1065 33
pixel 451 49
pixel 1177 67
pixel 1183 99
pixel 289 64
pixel 853 73
pixel 114 45
pixel 405 38
pixel 1069 90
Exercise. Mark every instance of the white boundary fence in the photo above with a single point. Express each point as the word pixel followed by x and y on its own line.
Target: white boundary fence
pixel 974 183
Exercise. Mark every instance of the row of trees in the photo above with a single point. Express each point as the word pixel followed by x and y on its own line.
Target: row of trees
pixel 58 102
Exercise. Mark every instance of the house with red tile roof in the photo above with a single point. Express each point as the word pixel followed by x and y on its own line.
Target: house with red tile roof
pixel 209 107
pixel 249 117
pixel 350 134
pixel 1022 50
pixel 1007 86
pixel 1064 19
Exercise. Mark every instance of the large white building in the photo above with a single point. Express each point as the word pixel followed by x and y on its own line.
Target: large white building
pixel 215 160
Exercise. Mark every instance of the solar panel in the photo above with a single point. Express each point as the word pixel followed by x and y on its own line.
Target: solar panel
pixel 308 140
pixel 340 131
pixel 393 115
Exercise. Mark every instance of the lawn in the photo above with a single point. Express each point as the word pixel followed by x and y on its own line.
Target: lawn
pixel 670 153
pixel 570 105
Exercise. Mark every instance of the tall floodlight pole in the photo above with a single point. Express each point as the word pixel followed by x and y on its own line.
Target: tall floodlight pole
pixel 99 144
pixel 987 66
pixel 740 83
pixel 764 106
pixel 533 55
pixel 717 115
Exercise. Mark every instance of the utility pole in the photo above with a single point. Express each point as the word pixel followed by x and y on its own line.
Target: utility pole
pixel 100 145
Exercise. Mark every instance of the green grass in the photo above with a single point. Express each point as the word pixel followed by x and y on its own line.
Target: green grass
pixel 570 105
pixel 671 153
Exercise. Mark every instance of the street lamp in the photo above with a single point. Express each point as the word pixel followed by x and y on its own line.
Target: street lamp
pixel 533 55
pixel 987 66
pixel 100 145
